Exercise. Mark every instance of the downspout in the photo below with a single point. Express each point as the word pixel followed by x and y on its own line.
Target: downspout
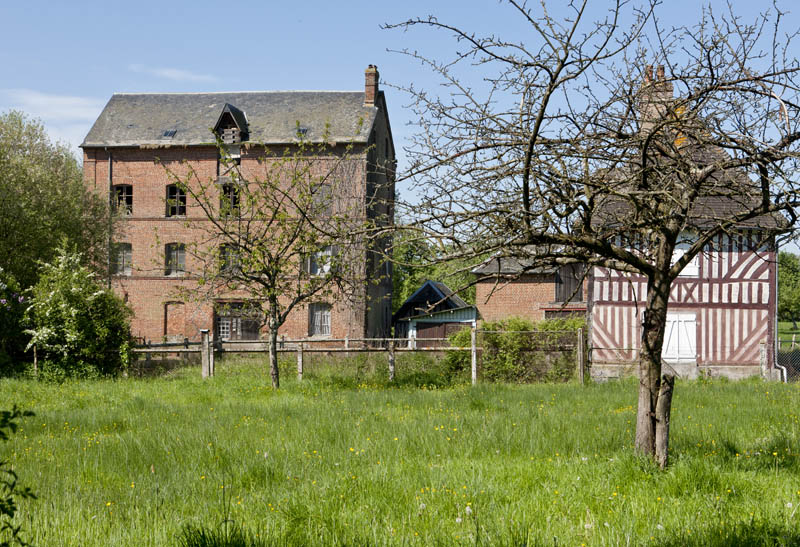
pixel 110 213
pixel 775 320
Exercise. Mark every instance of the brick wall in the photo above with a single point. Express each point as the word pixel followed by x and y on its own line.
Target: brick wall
pixel 147 290
pixel 524 297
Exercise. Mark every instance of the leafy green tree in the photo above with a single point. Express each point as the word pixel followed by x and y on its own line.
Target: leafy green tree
pixel 12 337
pixel 416 259
pixel 42 199
pixel 788 286
pixel 80 329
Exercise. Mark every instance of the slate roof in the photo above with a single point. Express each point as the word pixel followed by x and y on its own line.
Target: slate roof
pixel 136 119
pixel 723 195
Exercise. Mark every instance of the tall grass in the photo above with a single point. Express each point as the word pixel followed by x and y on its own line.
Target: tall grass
pixel 344 459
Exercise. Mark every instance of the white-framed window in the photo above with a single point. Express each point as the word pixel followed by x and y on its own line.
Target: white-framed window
pixel 319 262
pixel 319 319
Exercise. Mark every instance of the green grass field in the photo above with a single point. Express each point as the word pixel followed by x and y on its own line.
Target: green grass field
pixel 349 461
pixel 786 330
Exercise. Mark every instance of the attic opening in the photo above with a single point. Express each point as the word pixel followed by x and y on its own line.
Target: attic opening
pixel 231 126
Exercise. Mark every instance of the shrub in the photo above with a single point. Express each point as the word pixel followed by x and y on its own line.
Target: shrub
pixel 457 361
pixel 518 350
pixel 12 336
pixel 80 329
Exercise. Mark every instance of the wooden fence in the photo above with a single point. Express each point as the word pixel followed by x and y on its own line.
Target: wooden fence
pixel 207 349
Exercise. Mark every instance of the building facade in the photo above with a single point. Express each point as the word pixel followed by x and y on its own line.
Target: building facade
pixel 141 142
pixel 513 287
pixel 721 318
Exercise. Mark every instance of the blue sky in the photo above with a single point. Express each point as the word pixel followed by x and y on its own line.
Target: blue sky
pixel 63 60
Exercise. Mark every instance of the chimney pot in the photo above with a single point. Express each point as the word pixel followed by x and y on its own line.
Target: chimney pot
pixel 660 73
pixel 371 77
pixel 648 73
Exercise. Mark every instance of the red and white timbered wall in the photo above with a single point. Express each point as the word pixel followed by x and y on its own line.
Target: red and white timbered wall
pixel 732 298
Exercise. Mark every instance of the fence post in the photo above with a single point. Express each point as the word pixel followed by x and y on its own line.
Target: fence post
pixel 204 365
pixel 300 362
pixel 391 361
pixel 473 340
pixel 581 357
pixel 793 337
pixel 211 368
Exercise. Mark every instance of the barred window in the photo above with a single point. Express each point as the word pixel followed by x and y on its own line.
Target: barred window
pixel 121 254
pixel 236 321
pixel 174 259
pixel 319 320
pixel 123 199
pixel 176 201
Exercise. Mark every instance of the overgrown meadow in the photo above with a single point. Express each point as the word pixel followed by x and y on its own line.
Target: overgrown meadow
pixel 342 458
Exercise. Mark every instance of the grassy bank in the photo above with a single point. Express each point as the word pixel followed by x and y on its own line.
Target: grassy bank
pixel 353 462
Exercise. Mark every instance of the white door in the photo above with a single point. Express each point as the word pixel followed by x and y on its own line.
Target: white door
pixel 680 338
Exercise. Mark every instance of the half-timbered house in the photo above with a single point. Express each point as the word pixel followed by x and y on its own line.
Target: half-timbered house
pixel 722 308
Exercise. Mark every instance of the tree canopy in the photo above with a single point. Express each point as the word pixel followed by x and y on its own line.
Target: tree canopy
pixel 42 200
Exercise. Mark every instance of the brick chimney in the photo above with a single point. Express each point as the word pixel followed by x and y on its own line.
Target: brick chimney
pixel 370 85
pixel 655 96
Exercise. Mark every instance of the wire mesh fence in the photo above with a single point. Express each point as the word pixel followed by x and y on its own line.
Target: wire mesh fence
pixel 788 357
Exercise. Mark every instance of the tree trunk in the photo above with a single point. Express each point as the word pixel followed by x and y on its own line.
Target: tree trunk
pixel 273 352
pixel 663 409
pixel 653 327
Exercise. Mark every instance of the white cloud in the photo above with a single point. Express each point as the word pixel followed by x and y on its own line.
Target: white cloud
pixel 174 74
pixel 50 107
pixel 66 118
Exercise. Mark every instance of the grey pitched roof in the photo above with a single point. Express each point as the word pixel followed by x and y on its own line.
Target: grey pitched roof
pixel 521 262
pixel 135 119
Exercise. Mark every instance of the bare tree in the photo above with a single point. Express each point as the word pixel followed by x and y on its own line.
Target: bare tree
pixel 292 230
pixel 564 146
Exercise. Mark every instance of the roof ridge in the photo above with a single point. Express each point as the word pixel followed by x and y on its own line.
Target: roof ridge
pixel 232 92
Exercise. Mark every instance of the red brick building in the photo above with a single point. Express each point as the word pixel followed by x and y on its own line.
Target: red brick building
pixel 139 138
pixel 512 287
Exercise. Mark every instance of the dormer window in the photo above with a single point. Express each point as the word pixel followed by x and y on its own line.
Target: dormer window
pixel 231 127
